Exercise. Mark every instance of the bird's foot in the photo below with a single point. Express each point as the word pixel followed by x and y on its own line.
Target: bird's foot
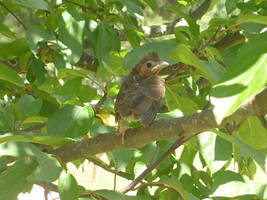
pixel 122 133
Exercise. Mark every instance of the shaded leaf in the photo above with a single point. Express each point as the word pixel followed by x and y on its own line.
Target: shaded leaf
pixel 48 167
pixel 68 187
pixel 40 4
pixel 8 74
pixel 162 48
pixel 230 6
pixel 134 8
pixel 29 106
pixel 176 97
pixel 4 30
pixel 14 179
pixel 112 195
pixel 36 34
pixel 70 121
pixel 13 49
pixel 176 185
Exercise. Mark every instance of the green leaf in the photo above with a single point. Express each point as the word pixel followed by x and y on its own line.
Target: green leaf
pixel 162 48
pixel 4 30
pixel 40 4
pixel 71 89
pixel 87 93
pixel 134 8
pixel 176 97
pixel 13 49
pixel 29 106
pixel 245 78
pixel 214 69
pixel 48 167
pixel 70 121
pixel 215 151
pixel 71 26
pixel 193 26
pixel 8 74
pixel 247 151
pixel 253 133
pixel 176 185
pixel 14 180
pixel 183 54
pixel 37 69
pixel 230 6
pixel 230 184
pixel 252 18
pixel 106 40
pixel 35 138
pixel 152 4
pixel 112 195
pixel 122 158
pixel 262 191
pixel 36 34
pixel 68 187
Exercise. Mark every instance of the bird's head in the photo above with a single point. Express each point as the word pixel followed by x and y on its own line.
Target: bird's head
pixel 150 64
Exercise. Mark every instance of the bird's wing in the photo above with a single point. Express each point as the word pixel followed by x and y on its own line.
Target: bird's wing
pixel 153 87
pixel 140 101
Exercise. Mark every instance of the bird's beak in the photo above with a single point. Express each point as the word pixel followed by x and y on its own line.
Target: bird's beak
pixel 159 66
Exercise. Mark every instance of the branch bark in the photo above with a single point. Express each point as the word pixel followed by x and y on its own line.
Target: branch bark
pixel 159 130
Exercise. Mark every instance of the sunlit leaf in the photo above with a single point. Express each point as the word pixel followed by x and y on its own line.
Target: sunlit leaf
pixel 252 18
pixel 245 78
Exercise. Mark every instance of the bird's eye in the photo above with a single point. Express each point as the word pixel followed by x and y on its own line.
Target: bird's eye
pixel 149 64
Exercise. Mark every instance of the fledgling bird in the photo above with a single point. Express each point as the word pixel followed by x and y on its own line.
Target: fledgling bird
pixel 141 92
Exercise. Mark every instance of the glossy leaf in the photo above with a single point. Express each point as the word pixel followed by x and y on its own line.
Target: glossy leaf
pixel 29 106
pixel 245 78
pixel 8 74
pixel 70 121
pixel 71 28
pixel 253 133
pixel 134 8
pixel 68 187
pixel 48 167
pixel 14 180
pixel 40 4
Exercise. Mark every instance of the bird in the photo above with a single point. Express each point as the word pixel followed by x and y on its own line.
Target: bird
pixel 141 92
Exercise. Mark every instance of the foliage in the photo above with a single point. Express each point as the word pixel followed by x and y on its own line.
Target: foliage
pixel 49 87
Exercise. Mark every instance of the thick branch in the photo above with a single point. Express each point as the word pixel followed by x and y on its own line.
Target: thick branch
pixel 159 130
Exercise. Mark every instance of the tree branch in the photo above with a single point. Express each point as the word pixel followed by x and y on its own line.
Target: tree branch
pixel 159 130
pixel 12 13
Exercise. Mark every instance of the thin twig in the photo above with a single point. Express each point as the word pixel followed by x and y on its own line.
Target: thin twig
pixel 12 13
pixel 105 167
pixel 82 6
pixel 101 102
pixel 213 38
pixel 177 143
